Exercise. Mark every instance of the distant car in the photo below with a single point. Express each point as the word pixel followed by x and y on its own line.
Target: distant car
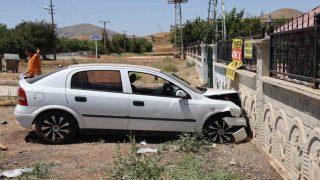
pixel 118 99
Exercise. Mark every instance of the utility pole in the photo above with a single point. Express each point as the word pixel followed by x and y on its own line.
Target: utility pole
pixel 124 39
pixel 104 35
pixel 178 24
pixel 213 13
pixel 53 28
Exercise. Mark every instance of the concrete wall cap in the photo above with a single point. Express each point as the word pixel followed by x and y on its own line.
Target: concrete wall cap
pixel 261 43
pixel 213 45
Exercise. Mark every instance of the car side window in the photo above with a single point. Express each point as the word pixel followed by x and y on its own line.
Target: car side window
pixel 100 80
pixel 149 84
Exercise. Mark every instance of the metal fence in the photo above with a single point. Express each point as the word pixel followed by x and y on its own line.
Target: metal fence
pixel 224 53
pixel 295 54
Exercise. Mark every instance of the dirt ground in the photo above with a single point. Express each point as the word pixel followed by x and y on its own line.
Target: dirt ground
pixel 88 157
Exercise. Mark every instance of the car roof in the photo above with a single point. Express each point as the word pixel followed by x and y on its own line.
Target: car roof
pixel 114 65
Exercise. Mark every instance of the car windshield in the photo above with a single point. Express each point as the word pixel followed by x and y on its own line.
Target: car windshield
pixel 192 87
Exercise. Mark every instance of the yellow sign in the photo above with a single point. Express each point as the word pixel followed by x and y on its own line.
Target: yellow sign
pixel 237 58
pixel 248 49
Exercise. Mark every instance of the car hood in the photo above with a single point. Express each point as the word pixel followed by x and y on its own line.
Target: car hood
pixel 213 92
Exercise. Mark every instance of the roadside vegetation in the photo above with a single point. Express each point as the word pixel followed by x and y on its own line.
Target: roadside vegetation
pixel 190 164
pixel 38 34
pixel 40 170
pixel 167 64
pixel 8 101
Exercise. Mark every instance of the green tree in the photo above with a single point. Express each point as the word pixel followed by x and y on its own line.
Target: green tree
pixel 108 43
pixel 117 43
pixel 36 34
pixel 5 42
pixel 236 25
pixel 135 46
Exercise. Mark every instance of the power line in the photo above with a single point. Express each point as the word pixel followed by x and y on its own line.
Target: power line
pixel 51 11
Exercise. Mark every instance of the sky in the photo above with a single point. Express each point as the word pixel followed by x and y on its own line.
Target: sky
pixel 138 17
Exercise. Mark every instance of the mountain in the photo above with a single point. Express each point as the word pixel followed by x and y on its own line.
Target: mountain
pixel 283 13
pixel 82 31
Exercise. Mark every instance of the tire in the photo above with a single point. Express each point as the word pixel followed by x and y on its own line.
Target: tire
pixel 56 127
pixel 218 130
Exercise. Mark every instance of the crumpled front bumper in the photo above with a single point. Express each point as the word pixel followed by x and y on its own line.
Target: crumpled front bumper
pixel 241 134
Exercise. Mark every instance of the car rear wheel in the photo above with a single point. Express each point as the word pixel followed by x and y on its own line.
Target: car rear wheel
pixel 56 127
pixel 219 131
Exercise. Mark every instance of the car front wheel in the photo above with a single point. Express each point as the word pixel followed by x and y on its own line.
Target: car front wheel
pixel 56 127
pixel 219 131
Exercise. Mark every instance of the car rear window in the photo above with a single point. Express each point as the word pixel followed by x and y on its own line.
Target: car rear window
pixel 97 80
pixel 37 78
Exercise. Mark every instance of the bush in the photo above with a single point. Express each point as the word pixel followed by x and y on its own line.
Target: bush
pixel 191 64
pixel 136 166
pixel 169 65
pixel 40 171
pixel 188 167
pixel 192 142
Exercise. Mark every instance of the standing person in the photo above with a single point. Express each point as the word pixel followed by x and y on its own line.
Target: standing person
pixel 34 63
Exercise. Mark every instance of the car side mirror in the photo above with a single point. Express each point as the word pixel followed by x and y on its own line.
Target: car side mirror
pixel 181 94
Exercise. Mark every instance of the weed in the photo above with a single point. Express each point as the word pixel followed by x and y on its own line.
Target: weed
pixel 135 166
pixel 188 167
pixel 169 65
pixel 74 61
pixel 192 142
pixel 1 134
pixel 8 101
pixel 40 171
pixel 2 156
pixel 101 141
pixel 190 64
pixel 191 167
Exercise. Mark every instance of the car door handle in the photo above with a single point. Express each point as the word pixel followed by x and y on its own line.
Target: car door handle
pixel 80 99
pixel 138 103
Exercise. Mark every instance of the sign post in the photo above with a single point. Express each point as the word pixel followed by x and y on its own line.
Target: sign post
pixel 237 58
pixel 96 38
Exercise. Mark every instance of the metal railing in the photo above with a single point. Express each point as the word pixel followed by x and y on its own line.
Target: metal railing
pixel 225 53
pixel 294 54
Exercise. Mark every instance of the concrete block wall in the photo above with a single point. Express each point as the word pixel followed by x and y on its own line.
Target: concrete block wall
pixel 284 117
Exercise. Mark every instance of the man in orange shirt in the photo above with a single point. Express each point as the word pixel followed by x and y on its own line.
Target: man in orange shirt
pixel 34 63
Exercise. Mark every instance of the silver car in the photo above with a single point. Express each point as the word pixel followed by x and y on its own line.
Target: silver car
pixel 118 99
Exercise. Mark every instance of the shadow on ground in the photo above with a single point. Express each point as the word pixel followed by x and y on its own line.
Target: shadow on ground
pixel 33 138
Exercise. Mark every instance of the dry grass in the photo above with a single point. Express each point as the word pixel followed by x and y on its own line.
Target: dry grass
pixel 161 42
pixel 8 101
pixel 167 64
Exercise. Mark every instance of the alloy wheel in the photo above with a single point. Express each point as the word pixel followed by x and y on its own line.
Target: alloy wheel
pixel 55 128
pixel 219 131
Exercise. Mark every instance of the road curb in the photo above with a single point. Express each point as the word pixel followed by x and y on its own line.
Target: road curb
pixel 9 82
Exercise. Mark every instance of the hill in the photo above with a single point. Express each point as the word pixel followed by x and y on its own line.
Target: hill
pixel 82 31
pixel 283 13
pixel 161 42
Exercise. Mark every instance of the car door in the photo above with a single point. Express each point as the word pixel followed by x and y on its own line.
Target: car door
pixel 98 95
pixel 151 111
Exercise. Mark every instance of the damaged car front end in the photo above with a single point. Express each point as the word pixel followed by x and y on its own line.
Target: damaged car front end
pixel 230 124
